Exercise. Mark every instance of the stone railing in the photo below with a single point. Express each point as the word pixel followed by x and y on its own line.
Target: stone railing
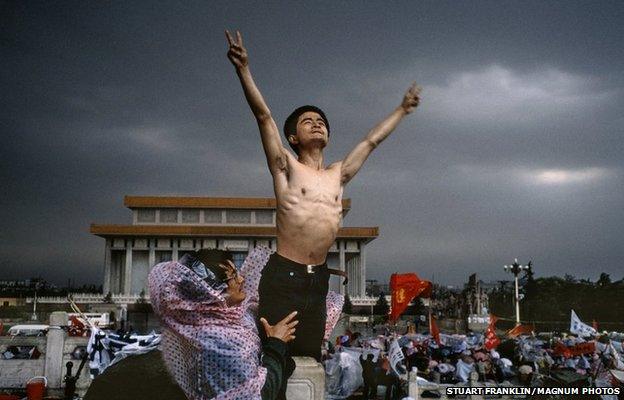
pixel 55 348
pixel 366 301
pixel 306 383
pixel 89 298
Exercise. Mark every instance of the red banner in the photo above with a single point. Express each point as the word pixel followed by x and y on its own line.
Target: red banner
pixel 520 330
pixel 491 340
pixel 433 329
pixel 404 288
pixel 570 351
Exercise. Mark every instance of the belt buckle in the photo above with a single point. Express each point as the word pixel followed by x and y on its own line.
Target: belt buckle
pixel 310 270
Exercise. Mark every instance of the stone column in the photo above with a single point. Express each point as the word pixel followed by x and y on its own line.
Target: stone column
pixel 128 268
pixel 151 259
pixel 174 249
pixel 358 274
pixel 341 249
pixel 351 271
pixel 362 269
pixel 107 267
pixel 412 389
pixel 55 344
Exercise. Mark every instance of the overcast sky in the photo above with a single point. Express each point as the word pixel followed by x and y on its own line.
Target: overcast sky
pixel 515 151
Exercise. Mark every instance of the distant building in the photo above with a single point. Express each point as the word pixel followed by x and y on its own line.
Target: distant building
pixel 12 301
pixel 13 283
pixel 23 287
pixel 164 228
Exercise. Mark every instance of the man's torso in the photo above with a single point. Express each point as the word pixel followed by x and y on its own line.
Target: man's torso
pixel 309 210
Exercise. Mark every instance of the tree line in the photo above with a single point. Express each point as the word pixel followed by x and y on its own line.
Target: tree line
pixel 547 302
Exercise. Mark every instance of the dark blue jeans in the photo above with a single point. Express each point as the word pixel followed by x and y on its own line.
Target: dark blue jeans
pixel 287 286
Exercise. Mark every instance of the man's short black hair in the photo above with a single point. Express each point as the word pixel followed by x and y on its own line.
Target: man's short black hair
pixel 290 126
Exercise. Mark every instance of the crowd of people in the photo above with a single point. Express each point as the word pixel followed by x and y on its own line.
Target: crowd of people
pixel 354 363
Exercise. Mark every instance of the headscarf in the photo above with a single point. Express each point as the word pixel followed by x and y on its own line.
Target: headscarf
pixel 211 349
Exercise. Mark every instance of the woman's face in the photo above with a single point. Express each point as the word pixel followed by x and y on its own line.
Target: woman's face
pixel 235 293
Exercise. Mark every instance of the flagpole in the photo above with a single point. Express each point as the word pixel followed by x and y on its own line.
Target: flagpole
pixel 432 297
pixel 517 302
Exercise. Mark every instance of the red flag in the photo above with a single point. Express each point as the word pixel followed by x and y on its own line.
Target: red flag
pixel 433 329
pixel 520 330
pixel 404 287
pixel 561 349
pixel 491 340
pixel 570 351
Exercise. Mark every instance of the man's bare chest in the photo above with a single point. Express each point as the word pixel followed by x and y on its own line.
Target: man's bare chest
pixel 313 185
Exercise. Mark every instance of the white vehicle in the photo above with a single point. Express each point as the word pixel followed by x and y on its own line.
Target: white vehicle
pixel 28 330
pixel 101 320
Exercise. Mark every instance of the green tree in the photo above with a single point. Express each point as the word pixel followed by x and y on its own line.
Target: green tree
pixel 416 307
pixel 108 299
pixel 604 280
pixel 143 307
pixel 347 308
pixel 381 307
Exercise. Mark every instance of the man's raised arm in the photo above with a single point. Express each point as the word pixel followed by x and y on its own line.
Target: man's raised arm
pixel 354 160
pixel 271 142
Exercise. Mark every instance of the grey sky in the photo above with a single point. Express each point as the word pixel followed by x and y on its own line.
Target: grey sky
pixel 515 151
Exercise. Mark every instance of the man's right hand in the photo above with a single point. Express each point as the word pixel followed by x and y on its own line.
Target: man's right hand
pixel 283 330
pixel 236 52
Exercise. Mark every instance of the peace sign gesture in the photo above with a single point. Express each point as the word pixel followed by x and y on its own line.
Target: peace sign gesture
pixel 411 98
pixel 236 52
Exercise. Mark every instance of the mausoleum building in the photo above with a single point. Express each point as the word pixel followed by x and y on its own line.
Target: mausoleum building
pixel 164 228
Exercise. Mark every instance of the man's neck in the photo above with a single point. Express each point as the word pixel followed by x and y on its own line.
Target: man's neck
pixel 312 158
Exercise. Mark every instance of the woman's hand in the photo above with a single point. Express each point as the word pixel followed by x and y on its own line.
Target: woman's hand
pixel 283 330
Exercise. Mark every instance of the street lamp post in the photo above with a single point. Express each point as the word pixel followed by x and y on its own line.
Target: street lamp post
pixel 33 317
pixel 515 269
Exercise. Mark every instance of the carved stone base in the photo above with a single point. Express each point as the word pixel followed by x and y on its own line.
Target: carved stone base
pixel 307 381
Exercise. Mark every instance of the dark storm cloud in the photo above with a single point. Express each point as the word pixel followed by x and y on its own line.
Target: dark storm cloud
pixel 514 152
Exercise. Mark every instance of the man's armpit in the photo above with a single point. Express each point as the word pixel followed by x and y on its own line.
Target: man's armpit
pixel 280 162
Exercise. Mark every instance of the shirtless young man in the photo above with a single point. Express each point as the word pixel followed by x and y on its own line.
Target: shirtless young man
pixel 309 204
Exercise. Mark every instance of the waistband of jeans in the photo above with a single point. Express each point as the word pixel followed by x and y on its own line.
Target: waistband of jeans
pixel 288 262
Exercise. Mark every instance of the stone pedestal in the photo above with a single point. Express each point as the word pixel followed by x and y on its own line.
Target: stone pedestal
pixel 412 379
pixel 307 381
pixel 54 349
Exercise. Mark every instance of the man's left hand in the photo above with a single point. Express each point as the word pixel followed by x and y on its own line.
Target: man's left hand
pixel 411 98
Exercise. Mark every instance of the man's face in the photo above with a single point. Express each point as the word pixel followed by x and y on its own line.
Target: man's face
pixel 311 129
pixel 235 285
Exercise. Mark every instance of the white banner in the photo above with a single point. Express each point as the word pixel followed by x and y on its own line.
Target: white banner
pixel 579 328
pixel 396 358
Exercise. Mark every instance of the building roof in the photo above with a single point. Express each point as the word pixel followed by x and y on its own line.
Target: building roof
pixel 207 202
pixel 368 233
